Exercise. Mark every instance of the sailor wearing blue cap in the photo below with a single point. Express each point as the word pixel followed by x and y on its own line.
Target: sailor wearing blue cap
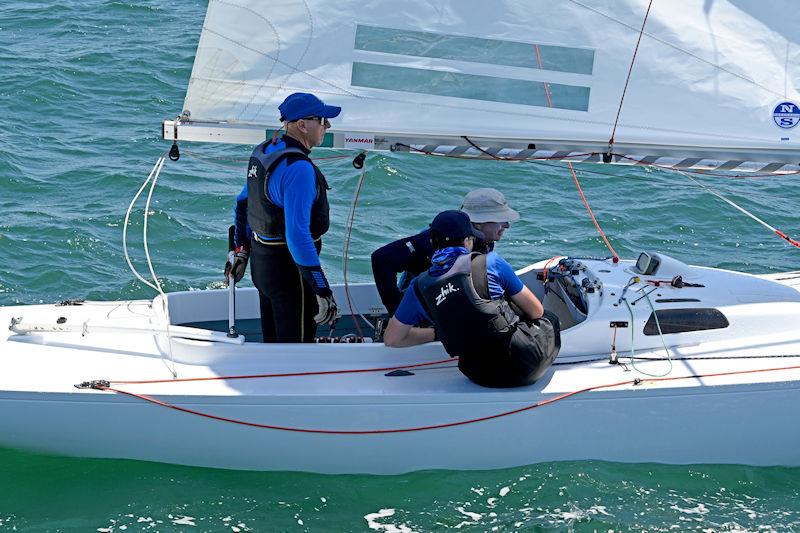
pixel 408 257
pixel 280 217
pixel 465 295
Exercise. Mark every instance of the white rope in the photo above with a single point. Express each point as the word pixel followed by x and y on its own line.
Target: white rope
pixel 164 301
pixel 152 179
pixel 156 168
pixel 348 234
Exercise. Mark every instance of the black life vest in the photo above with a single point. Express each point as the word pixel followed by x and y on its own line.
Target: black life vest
pixel 468 324
pixel 267 219
pixel 495 348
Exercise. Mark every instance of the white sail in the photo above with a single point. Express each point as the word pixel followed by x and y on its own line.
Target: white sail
pixel 711 79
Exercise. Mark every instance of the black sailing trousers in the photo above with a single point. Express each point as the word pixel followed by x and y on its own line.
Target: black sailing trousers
pixel 287 302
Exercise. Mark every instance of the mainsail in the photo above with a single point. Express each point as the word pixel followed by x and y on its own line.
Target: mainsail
pixel 711 80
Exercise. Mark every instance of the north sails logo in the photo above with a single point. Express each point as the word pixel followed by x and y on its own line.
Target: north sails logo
pixel 444 291
pixel 252 172
pixel 786 115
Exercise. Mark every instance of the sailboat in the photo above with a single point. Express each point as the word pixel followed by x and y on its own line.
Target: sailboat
pixel 661 361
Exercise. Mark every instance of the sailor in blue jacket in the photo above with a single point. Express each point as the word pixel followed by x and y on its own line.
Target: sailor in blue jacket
pixel 468 298
pixel 410 256
pixel 280 217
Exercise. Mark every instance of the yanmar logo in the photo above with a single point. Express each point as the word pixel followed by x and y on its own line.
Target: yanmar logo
pixel 443 292
pixel 359 141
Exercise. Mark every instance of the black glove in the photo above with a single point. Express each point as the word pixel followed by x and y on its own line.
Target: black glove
pixel 240 256
pixel 328 311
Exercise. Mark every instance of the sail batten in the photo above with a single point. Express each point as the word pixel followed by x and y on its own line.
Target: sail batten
pixel 718 80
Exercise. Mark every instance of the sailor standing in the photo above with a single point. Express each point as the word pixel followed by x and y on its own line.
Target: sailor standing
pixel 280 217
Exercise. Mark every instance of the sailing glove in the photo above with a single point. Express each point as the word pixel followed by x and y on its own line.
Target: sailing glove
pixel 328 311
pixel 240 256
pixel 315 277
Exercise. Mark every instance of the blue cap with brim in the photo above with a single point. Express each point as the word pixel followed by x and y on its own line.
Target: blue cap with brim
pixel 302 105
pixel 454 225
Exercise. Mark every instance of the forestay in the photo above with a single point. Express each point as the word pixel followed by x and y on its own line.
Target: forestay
pixel 712 79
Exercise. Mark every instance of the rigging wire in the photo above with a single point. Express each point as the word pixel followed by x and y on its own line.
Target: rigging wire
pixel 776 231
pixel 627 79
pixel 643 290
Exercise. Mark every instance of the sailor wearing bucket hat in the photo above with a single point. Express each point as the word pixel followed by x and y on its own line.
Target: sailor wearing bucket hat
pixel 464 295
pixel 280 217
pixel 489 212
pixel 408 257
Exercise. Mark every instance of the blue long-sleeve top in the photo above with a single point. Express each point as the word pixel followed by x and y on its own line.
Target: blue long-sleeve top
pixel 292 186
pixel 500 275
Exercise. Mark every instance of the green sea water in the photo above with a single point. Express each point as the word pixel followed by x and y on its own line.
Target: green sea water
pixel 85 85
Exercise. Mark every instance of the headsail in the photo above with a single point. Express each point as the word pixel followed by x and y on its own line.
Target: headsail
pixel 713 79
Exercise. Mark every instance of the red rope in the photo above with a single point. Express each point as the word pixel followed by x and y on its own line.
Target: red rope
pixel 788 239
pixel 546 89
pixel 589 209
pixel 546 265
pixel 630 70
pixel 437 426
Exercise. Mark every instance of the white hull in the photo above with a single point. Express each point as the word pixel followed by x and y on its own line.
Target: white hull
pixel 731 424
pixel 747 418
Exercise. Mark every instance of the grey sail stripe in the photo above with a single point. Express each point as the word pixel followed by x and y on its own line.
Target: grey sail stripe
pixel 772 167
pixel 730 165
pixel 493 150
pixel 459 150
pixel 649 160
pixel 525 154
pixel 688 162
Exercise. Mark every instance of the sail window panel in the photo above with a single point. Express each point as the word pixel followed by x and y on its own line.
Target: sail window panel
pixel 685 320
pixel 470 86
pixel 474 49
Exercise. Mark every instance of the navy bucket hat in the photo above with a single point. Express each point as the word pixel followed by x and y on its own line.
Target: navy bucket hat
pixel 302 105
pixel 454 225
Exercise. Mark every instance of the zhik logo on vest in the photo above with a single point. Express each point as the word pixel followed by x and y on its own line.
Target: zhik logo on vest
pixel 252 172
pixel 444 291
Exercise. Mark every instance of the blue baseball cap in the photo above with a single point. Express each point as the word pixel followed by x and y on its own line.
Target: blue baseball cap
pixel 302 105
pixel 454 225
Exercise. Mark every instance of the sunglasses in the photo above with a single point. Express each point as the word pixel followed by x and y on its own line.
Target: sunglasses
pixel 321 120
